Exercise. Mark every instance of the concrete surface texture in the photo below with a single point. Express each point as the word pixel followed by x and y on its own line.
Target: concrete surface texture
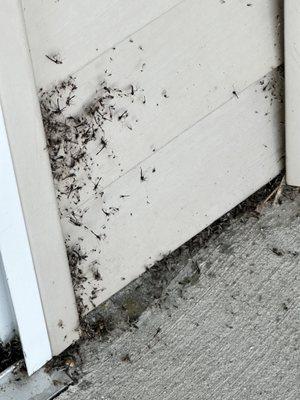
pixel 226 325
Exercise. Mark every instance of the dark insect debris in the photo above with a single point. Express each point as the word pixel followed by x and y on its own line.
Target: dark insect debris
pixel 54 58
pixel 10 353
pixel 78 146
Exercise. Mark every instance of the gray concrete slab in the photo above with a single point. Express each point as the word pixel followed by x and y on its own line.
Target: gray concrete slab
pixel 226 327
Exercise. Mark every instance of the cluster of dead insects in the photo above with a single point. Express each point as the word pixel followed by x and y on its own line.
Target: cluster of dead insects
pixel 76 256
pixel 10 353
pixel 273 85
pixel 68 136
pixel 77 145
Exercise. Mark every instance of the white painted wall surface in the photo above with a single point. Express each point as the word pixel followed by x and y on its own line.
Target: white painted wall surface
pixel 212 150
pixel 200 175
pixel 80 31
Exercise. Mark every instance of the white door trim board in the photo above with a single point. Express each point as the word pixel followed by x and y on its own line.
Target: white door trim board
pixel 18 265
pixel 8 325
pixel 27 144
pixel 292 75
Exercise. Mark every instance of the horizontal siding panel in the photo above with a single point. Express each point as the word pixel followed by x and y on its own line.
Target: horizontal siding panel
pixel 81 30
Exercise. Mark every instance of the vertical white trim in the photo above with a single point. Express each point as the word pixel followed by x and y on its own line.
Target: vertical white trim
pixel 292 97
pixel 30 159
pixel 8 324
pixel 18 265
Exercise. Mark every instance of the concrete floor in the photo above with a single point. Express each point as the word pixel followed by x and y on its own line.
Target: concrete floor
pixel 225 326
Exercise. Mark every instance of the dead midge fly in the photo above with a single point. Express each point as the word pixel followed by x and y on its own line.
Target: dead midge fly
pixel 54 59
pixel 97 183
pixel 123 115
pixel 142 176
pixel 132 91
pixel 103 142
